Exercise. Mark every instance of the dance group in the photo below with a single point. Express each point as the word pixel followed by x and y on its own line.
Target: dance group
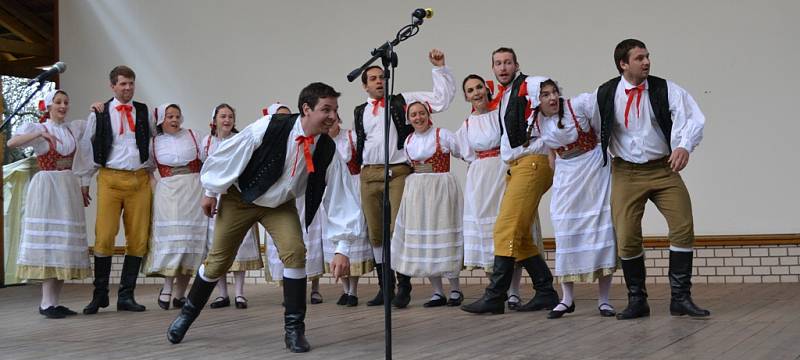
pixel 317 190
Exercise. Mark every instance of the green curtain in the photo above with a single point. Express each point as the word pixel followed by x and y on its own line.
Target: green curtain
pixel 16 177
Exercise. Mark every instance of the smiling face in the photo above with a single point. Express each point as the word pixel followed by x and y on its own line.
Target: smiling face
pixel 322 117
pixel 476 93
pixel 419 117
pixel 58 109
pixel 548 98
pixel 124 88
pixel 172 120
pixel 504 67
pixel 225 121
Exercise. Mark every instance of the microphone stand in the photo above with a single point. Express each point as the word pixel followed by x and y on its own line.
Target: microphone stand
pixel 22 105
pixel 389 61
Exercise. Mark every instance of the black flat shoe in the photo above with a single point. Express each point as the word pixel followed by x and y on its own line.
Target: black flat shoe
pixel 65 310
pixel 456 301
pixel 163 304
pixel 440 300
pixel 352 300
pixel 178 303
pixel 343 299
pixel 555 314
pixel 52 313
pixel 315 299
pixel 514 305
pixel 220 302
pixel 606 312
pixel 240 302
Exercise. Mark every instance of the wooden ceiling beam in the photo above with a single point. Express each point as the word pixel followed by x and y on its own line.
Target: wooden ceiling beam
pixel 25 48
pixel 27 68
pixel 28 18
pixel 10 22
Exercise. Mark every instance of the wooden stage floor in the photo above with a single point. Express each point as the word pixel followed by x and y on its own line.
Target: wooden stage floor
pixel 749 321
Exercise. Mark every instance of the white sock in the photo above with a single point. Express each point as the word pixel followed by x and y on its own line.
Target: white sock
pixel 48 293
pixel 181 283
pixel 679 249
pixel 454 286
pixel 57 291
pixel 566 288
pixel 167 288
pixel 238 282
pixel 346 285
pixel 438 289
pixel 315 285
pixel 299 273
pixel 603 287
pixel 222 286
pixel 377 253
pixel 353 281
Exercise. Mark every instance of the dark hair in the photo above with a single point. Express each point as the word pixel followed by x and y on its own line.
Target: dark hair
pixel 479 78
pixel 621 52
pixel 159 128
pixel 505 50
pixel 214 118
pixel 560 102
pixel 120 70
pixel 313 92
pixel 364 73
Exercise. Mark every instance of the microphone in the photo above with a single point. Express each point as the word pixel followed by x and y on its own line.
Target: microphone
pixel 57 68
pixel 421 13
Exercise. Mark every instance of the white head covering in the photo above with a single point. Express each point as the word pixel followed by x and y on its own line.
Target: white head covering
pixel 48 100
pixel 273 109
pixel 534 91
pixel 160 112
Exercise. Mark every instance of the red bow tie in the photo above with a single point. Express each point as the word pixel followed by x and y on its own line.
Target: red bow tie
pixel 305 142
pixel 125 109
pixel 637 91
pixel 377 104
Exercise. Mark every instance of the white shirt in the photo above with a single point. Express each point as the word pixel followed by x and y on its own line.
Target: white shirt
pixel 343 145
pixel 444 89
pixel 480 132
pixel 224 166
pixel 124 151
pixel 642 140
pixel 421 147
pixel 536 146
pixel 176 149
pixel 67 134
pixel 553 137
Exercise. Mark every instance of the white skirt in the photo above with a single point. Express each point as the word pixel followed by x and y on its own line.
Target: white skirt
pixel 581 212
pixel 54 242
pixel 483 193
pixel 248 257
pixel 361 257
pixel 178 242
pixel 428 238
pixel 312 239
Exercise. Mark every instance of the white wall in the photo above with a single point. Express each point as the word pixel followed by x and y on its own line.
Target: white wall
pixel 738 60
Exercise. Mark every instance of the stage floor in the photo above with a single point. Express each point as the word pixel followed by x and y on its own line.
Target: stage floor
pixel 749 321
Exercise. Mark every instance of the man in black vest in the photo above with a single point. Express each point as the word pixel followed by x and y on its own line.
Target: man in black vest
pixel 117 141
pixel 529 177
pixel 259 173
pixel 649 126
pixel 369 118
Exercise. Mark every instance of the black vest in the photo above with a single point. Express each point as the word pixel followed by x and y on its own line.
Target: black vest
pixel 659 100
pixel 514 119
pixel 398 115
pixel 103 137
pixel 266 165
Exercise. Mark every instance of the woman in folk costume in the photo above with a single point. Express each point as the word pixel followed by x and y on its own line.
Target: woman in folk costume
pixel 312 236
pixel 428 239
pixel 479 137
pixel 248 257
pixel 580 205
pixel 54 247
pixel 361 257
pixel 178 242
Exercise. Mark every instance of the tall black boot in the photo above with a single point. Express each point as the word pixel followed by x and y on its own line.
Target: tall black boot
pixel 494 298
pixel 378 299
pixel 294 315
pixel 102 271
pixel 403 296
pixel 635 275
pixel 546 297
pixel 680 280
pixel 127 283
pixel 198 297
